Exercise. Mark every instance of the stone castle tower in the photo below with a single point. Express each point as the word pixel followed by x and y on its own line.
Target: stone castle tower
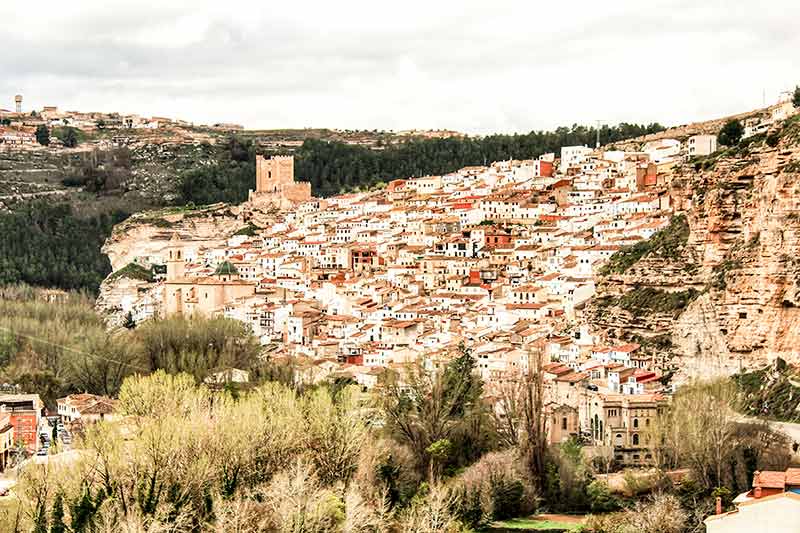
pixel 274 173
pixel 275 182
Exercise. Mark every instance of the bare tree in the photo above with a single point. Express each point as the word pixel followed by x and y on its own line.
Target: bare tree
pixel 534 442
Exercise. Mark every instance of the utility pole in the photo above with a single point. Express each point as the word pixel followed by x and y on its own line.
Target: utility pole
pixel 597 129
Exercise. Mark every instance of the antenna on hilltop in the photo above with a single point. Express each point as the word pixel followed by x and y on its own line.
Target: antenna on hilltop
pixel 598 122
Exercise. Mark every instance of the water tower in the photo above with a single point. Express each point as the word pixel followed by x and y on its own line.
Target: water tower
pixel 18 101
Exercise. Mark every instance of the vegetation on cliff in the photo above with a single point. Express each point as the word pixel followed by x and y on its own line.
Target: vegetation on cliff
pixel 772 392
pixel 648 300
pixel 667 243
pixel 133 271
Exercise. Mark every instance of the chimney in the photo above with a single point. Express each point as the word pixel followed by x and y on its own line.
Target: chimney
pixel 719 505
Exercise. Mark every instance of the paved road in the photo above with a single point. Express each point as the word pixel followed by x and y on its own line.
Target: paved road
pixel 792 429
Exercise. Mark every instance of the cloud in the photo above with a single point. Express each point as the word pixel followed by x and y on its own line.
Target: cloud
pixel 474 66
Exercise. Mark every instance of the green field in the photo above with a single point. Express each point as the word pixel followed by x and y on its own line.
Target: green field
pixel 534 524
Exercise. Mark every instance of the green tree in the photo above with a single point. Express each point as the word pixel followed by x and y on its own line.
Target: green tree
pixel 57 524
pixel 42 135
pixel 731 133
pixel 40 522
pixel 438 406
pixel 796 97
pixel 70 138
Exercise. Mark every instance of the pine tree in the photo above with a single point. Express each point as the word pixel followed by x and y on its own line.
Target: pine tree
pixel 129 322
pixel 40 522
pixel 57 524
pixel 70 139
pixel 731 133
pixel 42 135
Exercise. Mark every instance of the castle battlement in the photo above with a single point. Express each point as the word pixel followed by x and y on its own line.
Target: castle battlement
pixel 275 181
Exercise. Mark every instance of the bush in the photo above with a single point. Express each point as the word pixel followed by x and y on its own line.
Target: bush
pixel 773 139
pixel 660 514
pixel 133 271
pixel 731 133
pixel 494 488
pixel 600 498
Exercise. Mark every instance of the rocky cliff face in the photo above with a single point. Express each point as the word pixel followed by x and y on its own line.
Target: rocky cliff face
pixel 734 281
pixel 146 235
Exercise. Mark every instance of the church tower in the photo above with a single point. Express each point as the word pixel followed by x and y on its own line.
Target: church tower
pixel 175 258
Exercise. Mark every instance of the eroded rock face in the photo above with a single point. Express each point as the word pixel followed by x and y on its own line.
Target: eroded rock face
pixel 116 294
pixel 742 256
pixel 752 244
pixel 148 233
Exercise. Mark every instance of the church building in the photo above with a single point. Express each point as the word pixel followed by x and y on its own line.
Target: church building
pixel 205 296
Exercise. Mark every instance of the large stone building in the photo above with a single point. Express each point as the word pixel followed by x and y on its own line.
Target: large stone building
pixel 206 295
pixel 275 182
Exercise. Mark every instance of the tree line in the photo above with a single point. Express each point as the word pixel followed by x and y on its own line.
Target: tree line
pixel 51 245
pixel 333 167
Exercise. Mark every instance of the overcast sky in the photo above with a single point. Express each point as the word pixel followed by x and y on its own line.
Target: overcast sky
pixel 479 67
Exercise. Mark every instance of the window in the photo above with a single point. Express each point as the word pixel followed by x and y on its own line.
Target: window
pixel 636 422
pixel 635 439
pixel 564 422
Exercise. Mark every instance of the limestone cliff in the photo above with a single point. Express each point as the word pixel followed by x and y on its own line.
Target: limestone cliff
pixel 146 234
pixel 727 295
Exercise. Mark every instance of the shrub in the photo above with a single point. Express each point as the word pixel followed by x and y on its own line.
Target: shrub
pixel 660 514
pixel 494 488
pixel 731 133
pixel 600 498
pixel 773 139
pixel 133 271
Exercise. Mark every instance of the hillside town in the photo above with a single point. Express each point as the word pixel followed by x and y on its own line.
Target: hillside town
pixel 499 260
pixel 102 130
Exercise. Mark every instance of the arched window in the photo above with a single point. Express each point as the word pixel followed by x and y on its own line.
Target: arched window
pixel 636 422
pixel 635 439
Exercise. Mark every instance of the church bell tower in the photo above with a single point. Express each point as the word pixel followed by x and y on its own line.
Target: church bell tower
pixel 175 258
